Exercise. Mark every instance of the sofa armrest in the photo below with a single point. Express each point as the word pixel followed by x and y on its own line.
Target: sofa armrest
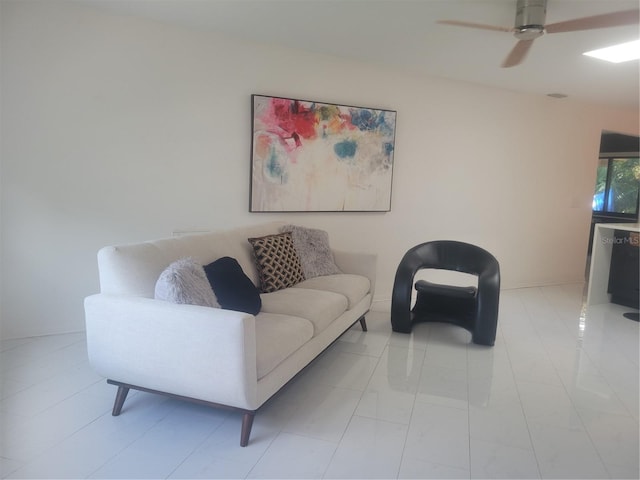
pixel 199 352
pixel 357 263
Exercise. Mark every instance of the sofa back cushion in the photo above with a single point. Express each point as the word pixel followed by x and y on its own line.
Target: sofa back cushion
pixel 133 269
pixel 246 256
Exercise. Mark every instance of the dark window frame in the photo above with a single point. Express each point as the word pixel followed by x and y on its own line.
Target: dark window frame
pixel 610 157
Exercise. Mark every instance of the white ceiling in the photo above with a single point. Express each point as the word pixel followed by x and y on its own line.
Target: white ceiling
pixel 404 33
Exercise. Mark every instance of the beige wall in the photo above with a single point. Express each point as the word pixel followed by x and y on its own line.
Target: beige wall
pixel 117 130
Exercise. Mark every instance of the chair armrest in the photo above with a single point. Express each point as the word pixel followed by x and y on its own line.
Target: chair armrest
pixel 199 352
pixel 357 263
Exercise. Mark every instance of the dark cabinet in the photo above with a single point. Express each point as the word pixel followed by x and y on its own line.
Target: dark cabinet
pixel 625 268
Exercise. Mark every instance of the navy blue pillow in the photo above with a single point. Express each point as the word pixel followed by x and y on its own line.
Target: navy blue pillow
pixel 233 289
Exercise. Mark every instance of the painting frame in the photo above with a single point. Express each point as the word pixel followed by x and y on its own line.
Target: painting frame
pixel 311 156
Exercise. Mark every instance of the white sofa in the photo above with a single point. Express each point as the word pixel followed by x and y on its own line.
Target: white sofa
pixel 210 355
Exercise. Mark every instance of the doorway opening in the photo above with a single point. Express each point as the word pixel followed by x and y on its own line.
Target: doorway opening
pixel 616 203
pixel 616 192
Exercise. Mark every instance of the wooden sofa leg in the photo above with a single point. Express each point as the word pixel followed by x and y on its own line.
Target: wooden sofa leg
pixel 121 396
pixel 247 423
pixel 363 323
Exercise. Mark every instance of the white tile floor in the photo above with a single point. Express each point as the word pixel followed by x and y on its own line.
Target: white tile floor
pixel 557 397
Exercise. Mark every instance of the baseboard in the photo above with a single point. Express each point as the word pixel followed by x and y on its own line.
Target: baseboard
pixel 384 304
pixel 381 305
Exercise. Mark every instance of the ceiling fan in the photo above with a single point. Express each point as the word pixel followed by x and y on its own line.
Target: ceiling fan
pixel 529 25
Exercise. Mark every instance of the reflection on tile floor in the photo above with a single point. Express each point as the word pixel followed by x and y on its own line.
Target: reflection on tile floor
pixel 557 397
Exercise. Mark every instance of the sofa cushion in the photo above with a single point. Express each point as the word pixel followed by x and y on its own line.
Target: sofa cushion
pixel 319 307
pixel 277 262
pixel 313 248
pixel 246 256
pixel 353 287
pixel 277 337
pixel 234 290
pixel 184 281
pixel 133 269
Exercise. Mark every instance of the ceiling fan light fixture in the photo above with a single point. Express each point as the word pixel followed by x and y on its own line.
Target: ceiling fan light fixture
pixel 622 52
pixel 529 32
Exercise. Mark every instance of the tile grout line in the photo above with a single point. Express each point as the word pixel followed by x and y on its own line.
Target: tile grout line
pixel 515 382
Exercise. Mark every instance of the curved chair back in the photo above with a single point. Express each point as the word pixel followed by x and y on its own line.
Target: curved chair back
pixel 445 255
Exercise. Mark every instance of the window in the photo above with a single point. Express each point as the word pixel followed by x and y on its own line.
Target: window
pixel 617 186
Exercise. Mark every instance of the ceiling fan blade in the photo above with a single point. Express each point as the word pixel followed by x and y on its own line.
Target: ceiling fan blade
pixel 517 54
pixel 457 23
pixel 615 19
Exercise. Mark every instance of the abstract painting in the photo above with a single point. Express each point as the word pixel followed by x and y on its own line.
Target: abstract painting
pixel 320 157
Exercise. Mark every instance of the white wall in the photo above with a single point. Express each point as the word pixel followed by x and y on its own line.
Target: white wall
pixel 117 129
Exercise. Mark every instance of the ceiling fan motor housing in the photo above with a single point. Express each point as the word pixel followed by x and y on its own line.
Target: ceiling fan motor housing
pixel 530 18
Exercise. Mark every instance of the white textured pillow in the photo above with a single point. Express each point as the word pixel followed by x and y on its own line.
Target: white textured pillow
pixel 313 249
pixel 184 281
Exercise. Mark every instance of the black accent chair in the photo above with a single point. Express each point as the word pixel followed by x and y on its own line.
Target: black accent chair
pixel 475 309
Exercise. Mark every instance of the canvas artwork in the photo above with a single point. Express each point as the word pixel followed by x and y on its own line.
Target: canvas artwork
pixel 320 157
